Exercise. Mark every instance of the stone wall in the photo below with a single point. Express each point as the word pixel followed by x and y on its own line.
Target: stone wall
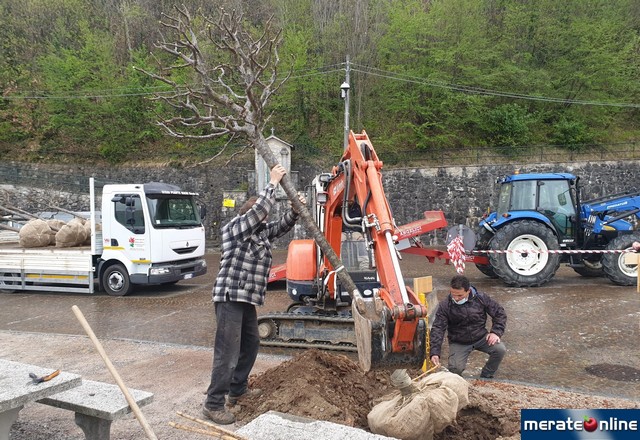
pixel 462 193
pixel 465 193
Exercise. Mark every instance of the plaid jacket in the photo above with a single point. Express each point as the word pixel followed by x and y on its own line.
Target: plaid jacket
pixel 246 256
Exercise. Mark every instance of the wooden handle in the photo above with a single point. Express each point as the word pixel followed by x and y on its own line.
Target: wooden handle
pixel 220 430
pixel 132 402
pixel 212 433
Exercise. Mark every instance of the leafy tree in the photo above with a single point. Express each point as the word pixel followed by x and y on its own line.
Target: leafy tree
pixel 507 126
pixel 425 75
pixel 572 133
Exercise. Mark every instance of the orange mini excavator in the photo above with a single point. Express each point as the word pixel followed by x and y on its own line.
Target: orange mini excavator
pixel 351 210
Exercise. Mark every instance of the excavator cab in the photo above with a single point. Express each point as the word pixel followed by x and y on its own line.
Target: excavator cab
pixel 358 261
pixel 308 283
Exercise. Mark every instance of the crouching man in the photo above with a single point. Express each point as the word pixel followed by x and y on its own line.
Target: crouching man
pixel 463 315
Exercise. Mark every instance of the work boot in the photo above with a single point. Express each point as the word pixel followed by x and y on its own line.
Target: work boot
pixel 249 394
pixel 220 416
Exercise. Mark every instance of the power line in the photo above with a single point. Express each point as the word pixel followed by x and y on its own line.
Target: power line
pixel 317 73
pixel 145 91
pixel 481 91
pixel 325 70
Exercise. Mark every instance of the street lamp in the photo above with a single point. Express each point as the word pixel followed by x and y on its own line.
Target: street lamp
pixel 345 89
pixel 344 93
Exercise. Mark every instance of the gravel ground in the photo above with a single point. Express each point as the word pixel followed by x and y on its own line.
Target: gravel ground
pixel 177 375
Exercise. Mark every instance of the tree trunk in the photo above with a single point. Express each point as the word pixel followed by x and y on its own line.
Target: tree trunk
pixel 307 219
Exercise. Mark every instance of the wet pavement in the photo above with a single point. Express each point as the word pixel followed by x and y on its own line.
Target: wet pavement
pixel 576 333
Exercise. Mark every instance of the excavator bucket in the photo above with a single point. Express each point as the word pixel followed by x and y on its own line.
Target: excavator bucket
pixel 372 328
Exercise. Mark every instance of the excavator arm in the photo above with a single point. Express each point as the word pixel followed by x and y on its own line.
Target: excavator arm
pixel 392 315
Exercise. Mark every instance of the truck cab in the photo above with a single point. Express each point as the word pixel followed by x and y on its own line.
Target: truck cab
pixel 151 234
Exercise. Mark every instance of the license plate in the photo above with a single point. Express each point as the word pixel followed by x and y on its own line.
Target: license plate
pixel 187 276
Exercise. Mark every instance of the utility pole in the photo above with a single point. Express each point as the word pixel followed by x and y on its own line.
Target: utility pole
pixel 345 95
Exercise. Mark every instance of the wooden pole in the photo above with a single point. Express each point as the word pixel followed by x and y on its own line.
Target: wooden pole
pixel 212 426
pixel 9 228
pixel 22 211
pixel 199 431
pixel 25 215
pixel 67 211
pixel 132 402
pixel 19 214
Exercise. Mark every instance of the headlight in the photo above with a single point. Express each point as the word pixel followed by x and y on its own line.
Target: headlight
pixel 159 270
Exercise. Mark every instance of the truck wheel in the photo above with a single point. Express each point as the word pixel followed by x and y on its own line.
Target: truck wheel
pixel 6 286
pixel 518 266
pixel 614 266
pixel 115 280
pixel 482 244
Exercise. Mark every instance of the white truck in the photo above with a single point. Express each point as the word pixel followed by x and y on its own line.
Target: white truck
pixel 150 234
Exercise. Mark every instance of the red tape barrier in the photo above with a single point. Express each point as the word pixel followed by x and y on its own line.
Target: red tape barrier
pixel 456 252
pixel 553 251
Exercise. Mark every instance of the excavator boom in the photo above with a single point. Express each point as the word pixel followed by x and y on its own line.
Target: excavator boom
pixel 352 211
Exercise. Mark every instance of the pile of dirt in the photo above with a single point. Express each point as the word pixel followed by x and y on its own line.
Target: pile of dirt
pixel 331 387
pixel 318 385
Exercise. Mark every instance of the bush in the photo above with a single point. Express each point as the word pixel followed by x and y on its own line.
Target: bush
pixel 506 126
pixel 571 134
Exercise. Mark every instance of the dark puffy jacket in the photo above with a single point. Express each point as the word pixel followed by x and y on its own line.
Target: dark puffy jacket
pixel 466 323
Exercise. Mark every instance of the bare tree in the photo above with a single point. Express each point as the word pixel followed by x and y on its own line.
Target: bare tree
pixel 235 74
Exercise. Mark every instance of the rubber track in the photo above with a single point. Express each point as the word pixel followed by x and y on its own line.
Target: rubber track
pixel 279 317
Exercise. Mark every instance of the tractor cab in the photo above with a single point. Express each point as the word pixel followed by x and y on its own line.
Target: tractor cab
pixel 550 196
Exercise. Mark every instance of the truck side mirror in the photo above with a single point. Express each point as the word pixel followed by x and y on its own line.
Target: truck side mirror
pixel 118 199
pixel 203 212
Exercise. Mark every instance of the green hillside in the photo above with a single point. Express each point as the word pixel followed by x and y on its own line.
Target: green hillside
pixel 427 76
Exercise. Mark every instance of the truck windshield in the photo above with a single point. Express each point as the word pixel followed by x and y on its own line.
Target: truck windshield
pixel 172 211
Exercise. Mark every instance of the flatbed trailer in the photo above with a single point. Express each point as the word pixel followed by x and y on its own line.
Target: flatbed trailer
pixel 46 268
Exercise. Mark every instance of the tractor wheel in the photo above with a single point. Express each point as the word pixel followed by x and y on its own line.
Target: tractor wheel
pixel 482 243
pixel 115 280
pixel 614 266
pixel 526 262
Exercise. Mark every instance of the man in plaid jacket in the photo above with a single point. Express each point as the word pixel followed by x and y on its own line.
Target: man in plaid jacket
pixel 239 287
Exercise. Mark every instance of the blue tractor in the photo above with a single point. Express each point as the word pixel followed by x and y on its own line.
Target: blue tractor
pixel 541 213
